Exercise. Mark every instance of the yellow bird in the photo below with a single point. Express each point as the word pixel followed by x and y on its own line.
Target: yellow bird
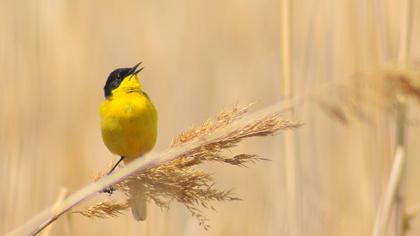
pixel 129 125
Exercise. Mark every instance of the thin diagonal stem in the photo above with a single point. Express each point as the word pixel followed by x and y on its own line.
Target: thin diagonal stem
pixel 384 212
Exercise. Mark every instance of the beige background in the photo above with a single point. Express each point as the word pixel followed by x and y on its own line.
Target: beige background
pixel 199 57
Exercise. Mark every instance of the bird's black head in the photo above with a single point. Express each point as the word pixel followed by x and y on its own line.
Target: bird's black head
pixel 117 76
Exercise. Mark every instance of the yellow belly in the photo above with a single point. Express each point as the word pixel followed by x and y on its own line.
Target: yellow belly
pixel 129 125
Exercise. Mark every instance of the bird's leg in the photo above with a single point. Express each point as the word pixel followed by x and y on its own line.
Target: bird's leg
pixel 116 164
pixel 109 189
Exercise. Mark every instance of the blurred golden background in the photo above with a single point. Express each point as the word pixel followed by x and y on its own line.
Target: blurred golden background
pixel 199 57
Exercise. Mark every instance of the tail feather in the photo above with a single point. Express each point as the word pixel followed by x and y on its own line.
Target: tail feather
pixel 138 201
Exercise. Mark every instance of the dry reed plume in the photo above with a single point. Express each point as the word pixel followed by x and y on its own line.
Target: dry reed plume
pixel 178 179
pixel 369 92
pixel 104 209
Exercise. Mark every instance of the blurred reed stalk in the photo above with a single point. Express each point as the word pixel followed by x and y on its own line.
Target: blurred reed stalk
pixel 61 196
pixel 289 144
pixel 393 193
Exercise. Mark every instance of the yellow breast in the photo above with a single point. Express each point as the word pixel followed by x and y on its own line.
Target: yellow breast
pixel 129 124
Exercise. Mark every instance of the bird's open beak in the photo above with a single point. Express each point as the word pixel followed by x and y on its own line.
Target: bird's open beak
pixel 137 71
pixel 134 70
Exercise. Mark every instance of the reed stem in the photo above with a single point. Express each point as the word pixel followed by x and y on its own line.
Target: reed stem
pixel 289 143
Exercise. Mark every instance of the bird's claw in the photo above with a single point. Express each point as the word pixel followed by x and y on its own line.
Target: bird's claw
pixel 109 190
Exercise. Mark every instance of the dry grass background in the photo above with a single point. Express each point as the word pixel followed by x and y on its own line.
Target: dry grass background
pixel 199 58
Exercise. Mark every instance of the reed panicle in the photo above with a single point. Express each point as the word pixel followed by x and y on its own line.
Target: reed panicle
pixel 104 209
pixel 377 90
pixel 179 180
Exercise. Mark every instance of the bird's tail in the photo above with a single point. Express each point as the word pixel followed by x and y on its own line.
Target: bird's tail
pixel 137 201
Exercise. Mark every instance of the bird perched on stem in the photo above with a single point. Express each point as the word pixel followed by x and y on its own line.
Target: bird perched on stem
pixel 129 126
